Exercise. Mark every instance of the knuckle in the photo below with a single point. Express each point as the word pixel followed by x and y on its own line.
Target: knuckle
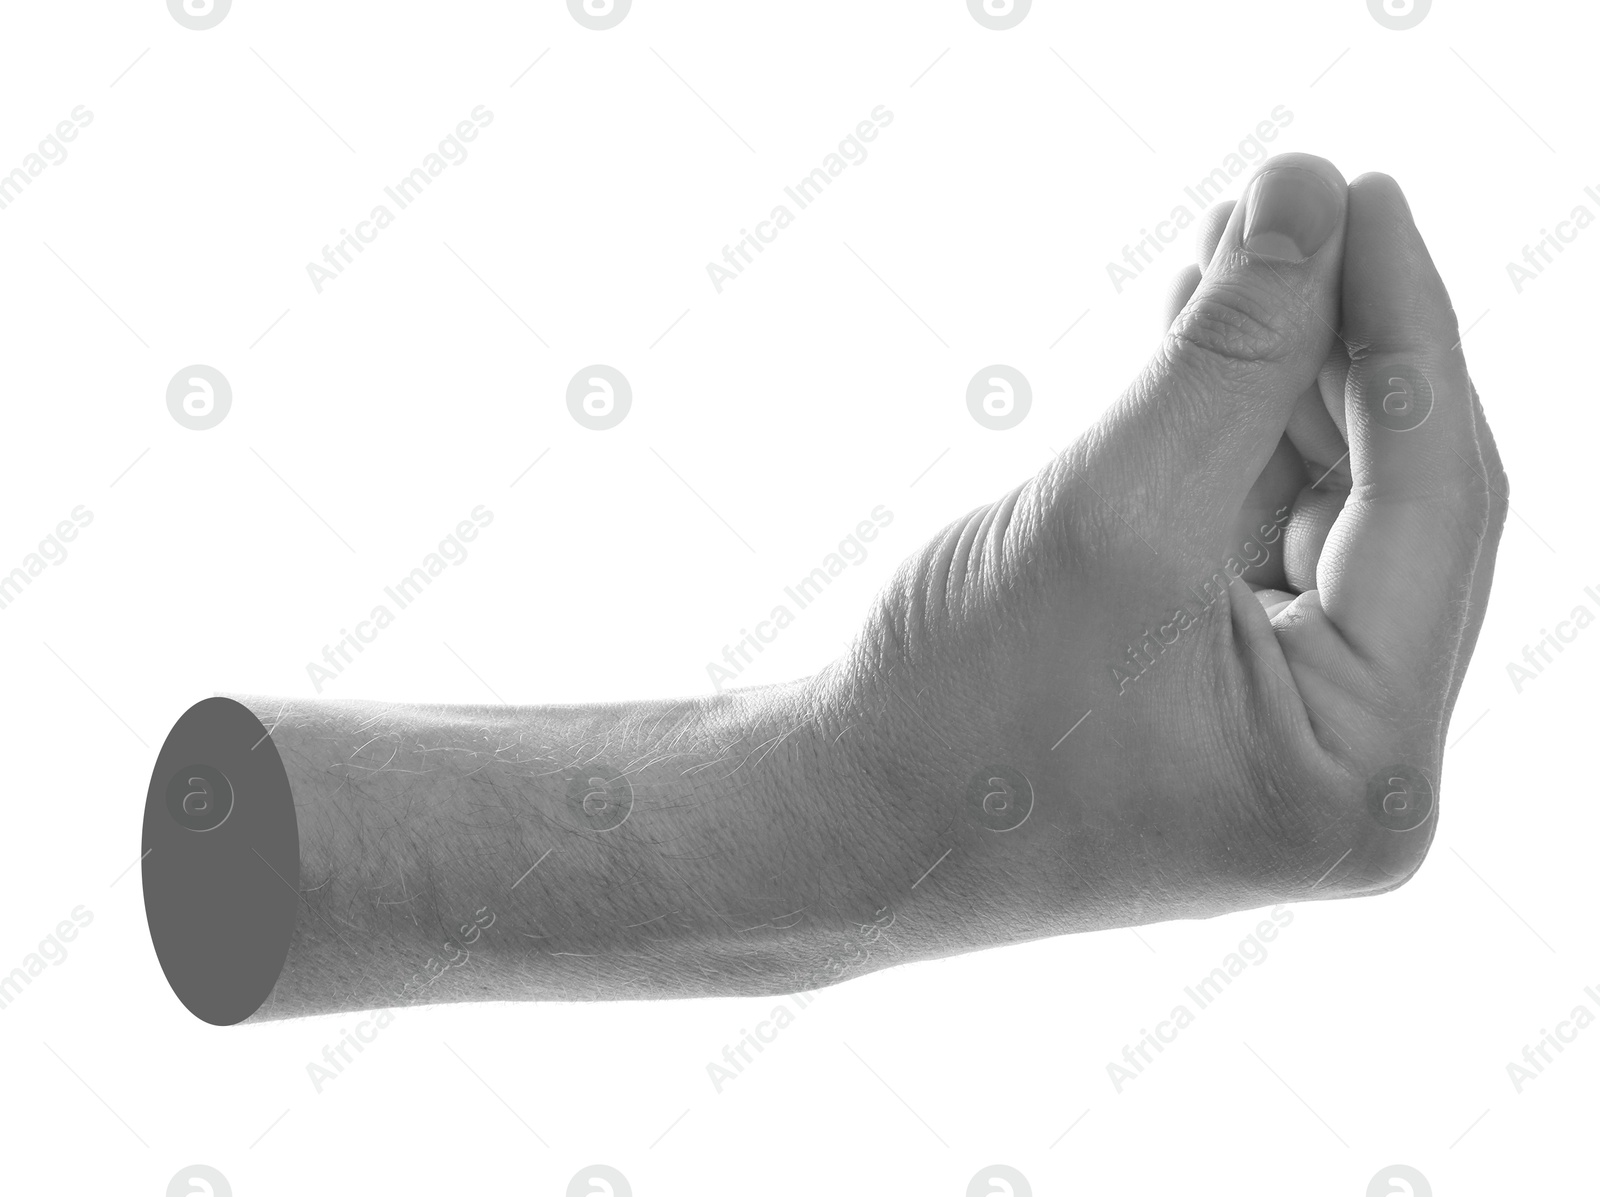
pixel 1234 321
pixel 1468 497
pixel 1458 501
pixel 1493 467
pixel 1499 496
pixel 1476 510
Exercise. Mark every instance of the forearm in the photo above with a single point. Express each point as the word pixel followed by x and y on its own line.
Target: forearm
pixel 729 844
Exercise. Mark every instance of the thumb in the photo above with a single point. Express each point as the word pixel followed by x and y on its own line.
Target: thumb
pixel 1179 452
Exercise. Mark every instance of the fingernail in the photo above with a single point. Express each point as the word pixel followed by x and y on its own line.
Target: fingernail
pixel 1289 214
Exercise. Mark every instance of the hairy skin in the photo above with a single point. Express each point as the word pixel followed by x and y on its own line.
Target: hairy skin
pixel 1298 565
pixel 719 849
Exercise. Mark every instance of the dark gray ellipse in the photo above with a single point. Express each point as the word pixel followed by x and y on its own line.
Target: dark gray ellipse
pixel 221 900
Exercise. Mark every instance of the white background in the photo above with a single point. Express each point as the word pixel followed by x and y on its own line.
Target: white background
pixel 827 380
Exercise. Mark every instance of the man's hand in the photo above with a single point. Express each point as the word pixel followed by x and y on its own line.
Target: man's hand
pixel 1206 659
